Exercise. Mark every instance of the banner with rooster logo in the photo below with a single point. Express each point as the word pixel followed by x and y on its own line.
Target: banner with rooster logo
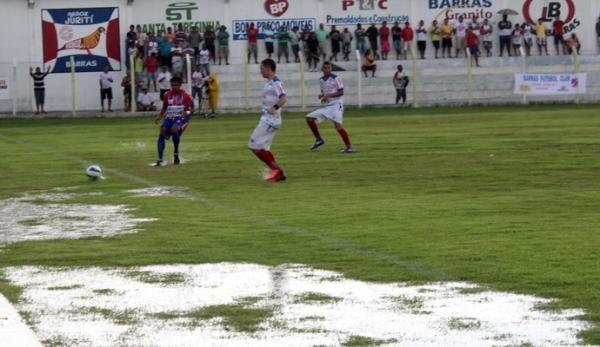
pixel 90 35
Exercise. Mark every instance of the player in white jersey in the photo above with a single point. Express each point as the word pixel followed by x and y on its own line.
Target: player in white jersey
pixel 332 91
pixel 273 99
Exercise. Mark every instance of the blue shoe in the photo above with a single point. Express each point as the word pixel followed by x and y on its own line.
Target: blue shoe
pixel 317 144
pixel 347 150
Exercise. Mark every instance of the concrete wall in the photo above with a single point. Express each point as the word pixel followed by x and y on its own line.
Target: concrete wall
pixel 22 40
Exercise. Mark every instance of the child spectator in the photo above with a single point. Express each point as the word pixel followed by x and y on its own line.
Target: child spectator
pixel 39 90
pixel 473 45
pixel 400 81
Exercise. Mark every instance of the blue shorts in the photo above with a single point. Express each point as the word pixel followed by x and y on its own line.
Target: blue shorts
pixel 182 122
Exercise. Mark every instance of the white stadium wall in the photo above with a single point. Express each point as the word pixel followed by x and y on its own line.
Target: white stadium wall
pixel 22 39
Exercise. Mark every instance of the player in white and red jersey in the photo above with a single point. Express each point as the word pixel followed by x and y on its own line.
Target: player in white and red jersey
pixel 273 99
pixel 332 92
pixel 177 110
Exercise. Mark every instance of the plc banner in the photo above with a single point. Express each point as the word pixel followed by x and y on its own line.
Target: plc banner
pixel 4 88
pixel 550 84
pixel 90 35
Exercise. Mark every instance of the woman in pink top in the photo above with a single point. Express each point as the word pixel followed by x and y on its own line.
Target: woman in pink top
pixel 384 36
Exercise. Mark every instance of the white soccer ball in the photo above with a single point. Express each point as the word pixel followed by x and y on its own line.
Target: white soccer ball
pixel 94 171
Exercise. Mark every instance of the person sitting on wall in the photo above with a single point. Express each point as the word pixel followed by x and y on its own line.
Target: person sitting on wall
pixel 145 101
pixel 573 42
pixel 369 64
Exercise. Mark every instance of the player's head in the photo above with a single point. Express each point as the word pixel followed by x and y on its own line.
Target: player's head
pixel 326 68
pixel 175 84
pixel 268 68
pixel 400 67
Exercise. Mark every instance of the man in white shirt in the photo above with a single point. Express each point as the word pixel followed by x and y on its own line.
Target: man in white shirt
pixel 177 59
pixel 164 81
pixel 486 35
pixel 332 92
pixel 145 101
pixel 461 35
pixel 106 82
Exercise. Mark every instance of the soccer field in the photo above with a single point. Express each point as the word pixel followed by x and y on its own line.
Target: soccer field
pixel 503 197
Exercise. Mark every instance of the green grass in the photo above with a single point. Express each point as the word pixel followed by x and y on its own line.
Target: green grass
pixel 504 197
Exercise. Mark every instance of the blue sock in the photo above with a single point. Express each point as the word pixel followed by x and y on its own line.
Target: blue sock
pixel 176 139
pixel 161 146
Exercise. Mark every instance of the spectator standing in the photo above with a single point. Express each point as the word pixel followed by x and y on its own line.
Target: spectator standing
pixel 461 36
pixel 447 33
pixel 312 43
pixel 573 43
pixel 151 45
pixel 527 37
pixel 397 39
pixel 408 35
pixel 177 60
pixel 558 32
pixel 198 83
pixel 165 52
pixel 170 36
pixel 321 35
pixel 422 38
pixel 360 35
pixel 39 89
pixel 369 64
pixel 252 34
pixel 517 39
pixel 347 42
pixel 223 38
pixel 138 67
pixel 295 38
pixel 141 37
pixel 473 45
pixel 373 35
pixel 209 40
pixel 505 30
pixel 283 38
pixel 335 38
pixel 400 81
pixel 145 101
pixel 486 34
pixel 126 85
pixel 106 82
pixel 598 31
pixel 213 94
pixel 194 39
pixel 436 36
pixel 384 37
pixel 269 36
pixel 180 35
pixel 131 51
pixel 204 60
pixel 164 80
pixel 304 37
pixel 541 33
pixel 151 65
pixel 131 36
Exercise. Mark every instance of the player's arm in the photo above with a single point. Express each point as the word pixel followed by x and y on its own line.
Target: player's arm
pixel 163 110
pixel 189 105
pixel 280 103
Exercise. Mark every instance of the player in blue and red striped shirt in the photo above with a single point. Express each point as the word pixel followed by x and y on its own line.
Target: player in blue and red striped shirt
pixel 177 110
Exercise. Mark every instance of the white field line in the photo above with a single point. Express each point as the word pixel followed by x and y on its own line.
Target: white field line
pixel 13 331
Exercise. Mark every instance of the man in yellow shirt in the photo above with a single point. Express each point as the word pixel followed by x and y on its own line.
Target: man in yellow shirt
pixel 541 37
pixel 447 33
pixel 436 36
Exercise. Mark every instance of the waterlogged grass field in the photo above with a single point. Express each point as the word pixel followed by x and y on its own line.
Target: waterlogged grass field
pixel 507 198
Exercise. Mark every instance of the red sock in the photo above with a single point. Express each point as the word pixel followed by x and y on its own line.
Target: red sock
pixel 266 157
pixel 344 136
pixel 313 127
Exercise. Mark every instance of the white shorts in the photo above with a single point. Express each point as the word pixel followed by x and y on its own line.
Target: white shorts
pixel 334 112
pixel 262 136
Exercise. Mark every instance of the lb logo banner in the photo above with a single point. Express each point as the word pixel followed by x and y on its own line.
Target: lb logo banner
pixel 90 35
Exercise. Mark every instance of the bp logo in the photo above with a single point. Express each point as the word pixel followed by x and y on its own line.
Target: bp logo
pixel 548 11
pixel 178 11
pixel 276 7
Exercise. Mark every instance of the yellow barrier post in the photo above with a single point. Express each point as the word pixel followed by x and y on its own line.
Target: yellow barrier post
pixel 246 77
pixel 413 57
pixel 133 83
pixel 469 77
pixel 302 80
pixel 73 87
pixel 577 70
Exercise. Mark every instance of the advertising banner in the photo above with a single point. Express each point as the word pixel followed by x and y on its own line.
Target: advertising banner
pixel 352 12
pixel 90 35
pixel 550 84
pixel 158 15
pixel 278 13
pixel 4 88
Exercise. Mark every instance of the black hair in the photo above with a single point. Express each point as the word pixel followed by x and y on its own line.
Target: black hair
pixel 326 63
pixel 269 63
pixel 400 67
pixel 176 79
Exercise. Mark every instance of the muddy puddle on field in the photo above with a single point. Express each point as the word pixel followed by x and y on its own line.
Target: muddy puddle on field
pixel 47 215
pixel 229 304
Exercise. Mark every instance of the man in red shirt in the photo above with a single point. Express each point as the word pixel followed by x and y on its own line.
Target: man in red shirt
pixel 384 37
pixel 252 34
pixel 472 44
pixel 407 35
pixel 558 33
pixel 151 65
pixel 177 110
